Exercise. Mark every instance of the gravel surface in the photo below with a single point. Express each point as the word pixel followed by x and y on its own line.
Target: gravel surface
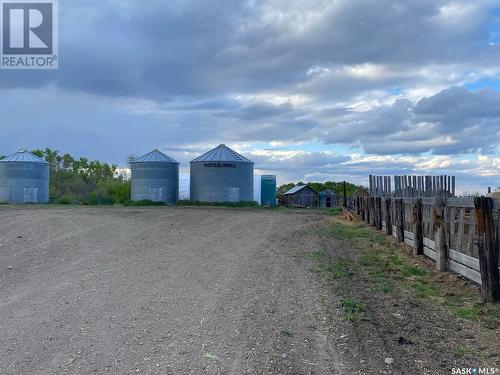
pixel 161 291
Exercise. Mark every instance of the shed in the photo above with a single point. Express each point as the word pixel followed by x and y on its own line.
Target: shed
pixel 328 199
pixel 302 196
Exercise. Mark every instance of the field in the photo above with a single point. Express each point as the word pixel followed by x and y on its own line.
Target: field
pixel 221 291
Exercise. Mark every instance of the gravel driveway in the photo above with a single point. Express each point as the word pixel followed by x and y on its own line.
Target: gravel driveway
pixel 160 291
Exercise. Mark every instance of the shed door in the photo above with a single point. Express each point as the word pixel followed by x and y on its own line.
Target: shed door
pixel 30 195
pixel 328 201
pixel 156 194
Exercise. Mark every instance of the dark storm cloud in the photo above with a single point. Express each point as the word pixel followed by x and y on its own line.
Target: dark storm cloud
pixel 257 111
pixel 183 73
pixel 160 50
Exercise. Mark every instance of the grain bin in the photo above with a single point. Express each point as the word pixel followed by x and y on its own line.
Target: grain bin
pixel 24 178
pixel 221 175
pixel 155 177
pixel 268 190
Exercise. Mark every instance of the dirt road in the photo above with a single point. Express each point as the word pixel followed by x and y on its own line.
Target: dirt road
pixel 160 291
pixel 226 291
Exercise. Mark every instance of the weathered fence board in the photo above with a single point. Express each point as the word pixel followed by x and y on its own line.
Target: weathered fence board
pixel 411 186
pixel 465 271
pixel 448 230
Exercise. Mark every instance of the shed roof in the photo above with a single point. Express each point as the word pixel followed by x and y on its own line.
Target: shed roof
pixel 327 192
pixel 23 156
pixel 154 156
pixel 298 188
pixel 221 153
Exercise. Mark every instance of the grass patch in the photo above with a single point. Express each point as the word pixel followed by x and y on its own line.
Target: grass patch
pixel 461 352
pixel 382 266
pixel 218 204
pixel 353 308
pixel 338 274
pixel 144 203
pixel 355 232
pixel 425 289
pixel 411 270
pixel 334 211
pixel 384 286
pixel 468 313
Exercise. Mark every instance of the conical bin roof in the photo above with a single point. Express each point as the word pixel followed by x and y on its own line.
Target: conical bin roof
pixel 154 156
pixel 23 156
pixel 222 153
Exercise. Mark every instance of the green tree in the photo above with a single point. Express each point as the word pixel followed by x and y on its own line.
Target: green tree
pixel 83 181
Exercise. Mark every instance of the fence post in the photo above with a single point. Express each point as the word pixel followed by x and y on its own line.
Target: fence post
pixel 418 236
pixel 362 207
pixel 378 210
pixel 400 235
pixel 373 213
pixel 367 210
pixel 388 221
pixel 441 246
pixel 488 249
pixel 344 203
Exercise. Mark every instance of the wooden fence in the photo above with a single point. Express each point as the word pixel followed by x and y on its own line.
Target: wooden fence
pixel 411 186
pixel 459 234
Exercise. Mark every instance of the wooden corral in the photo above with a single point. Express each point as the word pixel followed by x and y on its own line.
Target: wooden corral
pixel 459 234
pixel 360 192
pixel 411 186
pixel 301 196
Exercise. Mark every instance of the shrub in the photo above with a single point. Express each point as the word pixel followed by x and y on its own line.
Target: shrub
pixel 67 199
pixel 218 204
pixel 145 202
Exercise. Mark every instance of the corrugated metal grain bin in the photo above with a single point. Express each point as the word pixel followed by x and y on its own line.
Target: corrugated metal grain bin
pixel 155 177
pixel 24 178
pixel 221 175
pixel 268 190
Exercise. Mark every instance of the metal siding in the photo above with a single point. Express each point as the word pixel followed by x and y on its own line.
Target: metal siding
pixel 221 153
pixel 214 184
pixel 158 182
pixel 24 179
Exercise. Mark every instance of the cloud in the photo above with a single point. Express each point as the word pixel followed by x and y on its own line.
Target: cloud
pixel 191 48
pixel 452 121
pixel 376 78
pixel 473 174
pixel 257 111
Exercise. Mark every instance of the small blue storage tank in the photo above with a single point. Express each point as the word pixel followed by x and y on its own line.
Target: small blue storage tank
pixel 268 190
pixel 24 178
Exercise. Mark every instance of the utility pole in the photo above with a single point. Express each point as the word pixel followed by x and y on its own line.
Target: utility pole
pixel 345 195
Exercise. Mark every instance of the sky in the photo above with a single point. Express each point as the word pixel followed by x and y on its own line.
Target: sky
pixel 310 90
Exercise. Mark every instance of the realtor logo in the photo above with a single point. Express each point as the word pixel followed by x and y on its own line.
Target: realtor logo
pixel 29 37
